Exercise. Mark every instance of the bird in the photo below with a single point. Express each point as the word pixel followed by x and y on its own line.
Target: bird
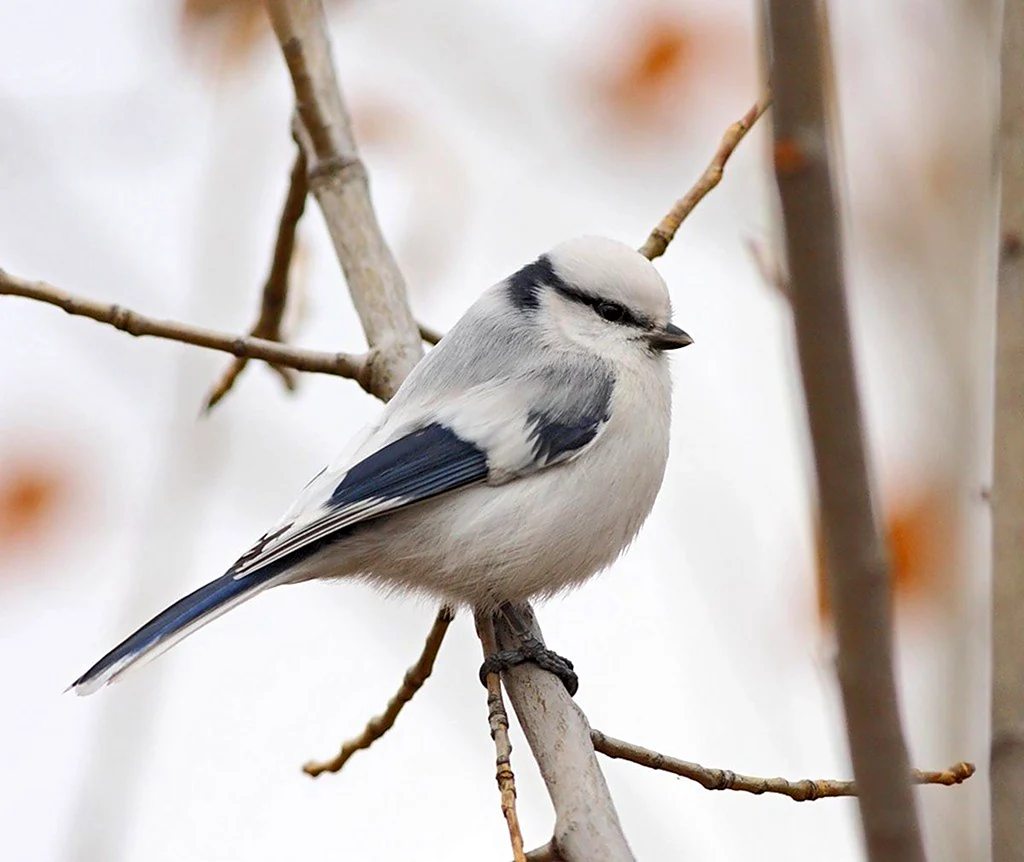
pixel 520 457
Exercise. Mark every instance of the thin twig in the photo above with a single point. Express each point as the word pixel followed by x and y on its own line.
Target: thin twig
pixel 858 572
pixel 769 268
pixel 275 288
pixel 414 678
pixel 803 790
pixel 497 719
pixel 352 366
pixel 665 232
pixel 429 334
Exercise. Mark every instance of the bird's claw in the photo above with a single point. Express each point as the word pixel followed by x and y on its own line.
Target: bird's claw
pixel 537 653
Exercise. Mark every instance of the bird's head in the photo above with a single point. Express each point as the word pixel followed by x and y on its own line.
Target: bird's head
pixel 602 295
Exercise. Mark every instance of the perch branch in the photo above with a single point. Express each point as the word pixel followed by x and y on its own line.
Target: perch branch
pixel 665 232
pixel 724 779
pixel 354 367
pixel 557 731
pixel 586 823
pixel 497 720
pixel 858 572
pixel 338 180
pixel 381 724
pixel 275 288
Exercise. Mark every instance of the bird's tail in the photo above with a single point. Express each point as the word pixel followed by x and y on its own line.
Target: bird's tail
pixel 175 624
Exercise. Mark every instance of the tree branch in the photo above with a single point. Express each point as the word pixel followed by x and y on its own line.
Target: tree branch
pixel 354 367
pixel 584 810
pixel 338 180
pixel 547 853
pixel 429 334
pixel 665 232
pixel 275 288
pixel 586 823
pixel 858 575
pixel 724 779
pixel 497 720
pixel 585 813
pixel 381 724
pixel 1007 747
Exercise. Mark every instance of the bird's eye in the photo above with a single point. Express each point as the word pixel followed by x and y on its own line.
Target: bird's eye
pixel 611 311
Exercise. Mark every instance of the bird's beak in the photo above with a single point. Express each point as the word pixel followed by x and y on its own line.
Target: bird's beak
pixel 669 338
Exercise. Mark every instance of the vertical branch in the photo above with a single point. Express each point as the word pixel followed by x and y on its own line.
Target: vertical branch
pixel 587 826
pixel 857 568
pixel 338 180
pixel 1007 755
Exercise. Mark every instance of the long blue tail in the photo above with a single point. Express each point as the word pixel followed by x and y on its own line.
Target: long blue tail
pixel 174 624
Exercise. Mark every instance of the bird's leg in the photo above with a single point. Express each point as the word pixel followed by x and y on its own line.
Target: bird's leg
pixel 530 649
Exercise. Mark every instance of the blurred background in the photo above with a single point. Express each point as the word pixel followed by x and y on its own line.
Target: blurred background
pixel 144 155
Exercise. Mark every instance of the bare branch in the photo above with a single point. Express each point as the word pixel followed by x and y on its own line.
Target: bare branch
pixel 770 269
pixel 724 779
pixel 1007 747
pixel 338 180
pixel 497 719
pixel 275 288
pixel 586 823
pixel 858 572
pixel 411 683
pixel 354 367
pixel 665 232
pixel 547 853
pixel 429 334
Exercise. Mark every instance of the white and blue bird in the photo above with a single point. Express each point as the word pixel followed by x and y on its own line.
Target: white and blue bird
pixel 519 458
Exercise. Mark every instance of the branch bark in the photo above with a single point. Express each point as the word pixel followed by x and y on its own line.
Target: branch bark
pixel 1007 752
pixel 587 827
pixel 804 790
pixel 354 367
pixel 338 180
pixel 665 231
pixel 497 720
pixel 412 682
pixel 858 576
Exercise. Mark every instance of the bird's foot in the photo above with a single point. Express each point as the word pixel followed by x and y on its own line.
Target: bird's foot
pixel 533 651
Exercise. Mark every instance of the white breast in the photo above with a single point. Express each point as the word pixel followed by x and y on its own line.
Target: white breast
pixel 536 535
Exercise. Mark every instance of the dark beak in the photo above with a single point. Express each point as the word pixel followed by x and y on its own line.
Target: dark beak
pixel 669 338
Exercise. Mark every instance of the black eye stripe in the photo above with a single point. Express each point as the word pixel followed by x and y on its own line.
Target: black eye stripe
pixel 621 314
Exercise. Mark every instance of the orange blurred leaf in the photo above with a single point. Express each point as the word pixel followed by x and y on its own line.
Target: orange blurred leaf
pixel 921 535
pixel 655 61
pixel 660 61
pixel 31 492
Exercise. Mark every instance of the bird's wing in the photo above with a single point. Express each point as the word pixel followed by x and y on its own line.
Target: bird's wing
pixel 421 464
pixel 490 433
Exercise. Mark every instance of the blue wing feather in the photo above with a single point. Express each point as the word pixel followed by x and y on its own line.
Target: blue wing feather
pixel 417 466
pixel 574 420
pixel 423 464
pixel 208 601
